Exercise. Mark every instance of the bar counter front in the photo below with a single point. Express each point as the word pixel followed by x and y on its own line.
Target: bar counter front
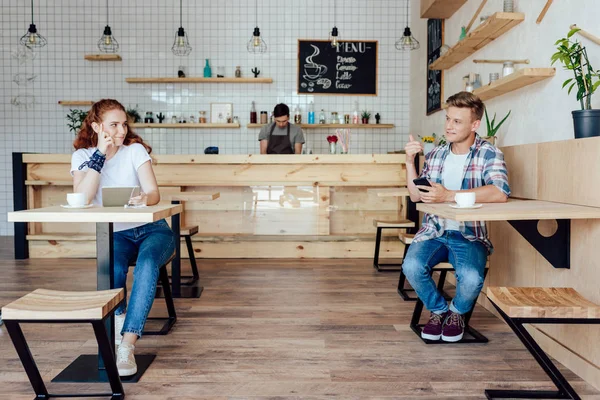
pixel 270 206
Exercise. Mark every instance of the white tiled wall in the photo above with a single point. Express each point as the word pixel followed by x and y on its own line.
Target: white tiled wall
pixel 218 31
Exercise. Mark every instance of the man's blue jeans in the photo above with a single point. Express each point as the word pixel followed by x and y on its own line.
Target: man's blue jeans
pixel 149 246
pixel 468 259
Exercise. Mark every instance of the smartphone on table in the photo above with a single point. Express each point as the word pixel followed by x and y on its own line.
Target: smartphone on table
pixel 422 182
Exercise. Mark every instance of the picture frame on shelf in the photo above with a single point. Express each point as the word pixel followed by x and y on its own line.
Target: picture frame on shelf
pixel 221 113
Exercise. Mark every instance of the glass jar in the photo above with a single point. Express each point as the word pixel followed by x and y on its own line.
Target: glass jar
pixel 509 6
pixel 238 72
pixel 334 117
pixel 263 117
pixel 149 118
pixel 508 68
pixel 192 119
pixel 174 119
pixel 202 118
pixel 494 77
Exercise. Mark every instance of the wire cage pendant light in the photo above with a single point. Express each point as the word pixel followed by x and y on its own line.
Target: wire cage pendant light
pixel 181 45
pixel 256 44
pixel 107 43
pixel 334 35
pixel 32 39
pixel 407 42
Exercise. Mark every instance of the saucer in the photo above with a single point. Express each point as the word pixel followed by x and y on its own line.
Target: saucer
pixel 72 207
pixel 466 208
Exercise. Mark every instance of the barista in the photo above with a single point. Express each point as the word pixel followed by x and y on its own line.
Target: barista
pixel 281 137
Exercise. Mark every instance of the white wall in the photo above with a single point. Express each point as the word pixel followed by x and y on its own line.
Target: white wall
pixel 218 30
pixel 540 112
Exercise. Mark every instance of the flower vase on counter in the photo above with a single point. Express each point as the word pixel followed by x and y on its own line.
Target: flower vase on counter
pixel 332 140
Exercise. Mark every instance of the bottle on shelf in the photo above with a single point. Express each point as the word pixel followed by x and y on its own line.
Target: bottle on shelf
pixel 322 117
pixel 297 116
pixel 263 117
pixel 311 113
pixel 253 114
pixel 355 114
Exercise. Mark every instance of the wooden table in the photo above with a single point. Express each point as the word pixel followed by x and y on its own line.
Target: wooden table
pixel 90 368
pixel 194 290
pixel 524 216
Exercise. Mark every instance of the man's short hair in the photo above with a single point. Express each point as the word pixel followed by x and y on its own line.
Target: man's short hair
pixel 281 110
pixel 467 100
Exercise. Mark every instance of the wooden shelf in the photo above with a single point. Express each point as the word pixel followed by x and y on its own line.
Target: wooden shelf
pixel 441 9
pixel 493 27
pixel 199 80
pixel 102 57
pixel 75 102
pixel 515 81
pixel 327 126
pixel 184 126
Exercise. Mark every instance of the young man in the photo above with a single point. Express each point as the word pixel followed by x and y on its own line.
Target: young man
pixel 466 164
pixel 281 137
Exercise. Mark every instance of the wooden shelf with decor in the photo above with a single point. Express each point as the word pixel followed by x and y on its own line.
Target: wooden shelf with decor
pixel 493 27
pixel 102 57
pixel 78 103
pixel 183 126
pixel 328 126
pixel 199 80
pixel 440 9
pixel 515 81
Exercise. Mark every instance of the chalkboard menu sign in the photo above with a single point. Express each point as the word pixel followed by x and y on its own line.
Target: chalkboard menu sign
pixel 435 84
pixel 348 69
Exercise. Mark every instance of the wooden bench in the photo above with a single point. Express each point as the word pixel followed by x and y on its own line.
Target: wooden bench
pixel 380 225
pixel 524 305
pixel 50 306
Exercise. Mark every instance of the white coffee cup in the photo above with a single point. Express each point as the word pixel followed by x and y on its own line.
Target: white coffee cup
pixel 76 199
pixel 465 199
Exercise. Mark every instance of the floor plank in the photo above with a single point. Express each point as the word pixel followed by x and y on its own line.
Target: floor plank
pixel 277 329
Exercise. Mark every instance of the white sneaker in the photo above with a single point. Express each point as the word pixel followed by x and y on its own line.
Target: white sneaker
pixel 119 322
pixel 126 360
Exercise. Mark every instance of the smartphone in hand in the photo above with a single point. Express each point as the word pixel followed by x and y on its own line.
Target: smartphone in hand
pixel 422 182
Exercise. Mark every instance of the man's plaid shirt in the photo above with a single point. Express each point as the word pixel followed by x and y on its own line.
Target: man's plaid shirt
pixel 485 166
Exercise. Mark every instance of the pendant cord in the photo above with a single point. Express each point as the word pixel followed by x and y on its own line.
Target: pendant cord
pixel 256 12
pixel 181 13
pixel 31 12
pixel 106 12
pixel 407 24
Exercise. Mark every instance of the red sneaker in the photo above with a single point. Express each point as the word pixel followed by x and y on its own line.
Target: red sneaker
pixel 433 329
pixel 454 327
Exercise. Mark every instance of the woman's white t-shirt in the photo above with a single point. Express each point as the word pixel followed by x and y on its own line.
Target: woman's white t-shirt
pixel 120 170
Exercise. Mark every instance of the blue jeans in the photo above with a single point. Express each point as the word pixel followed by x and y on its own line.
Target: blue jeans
pixel 468 259
pixel 149 246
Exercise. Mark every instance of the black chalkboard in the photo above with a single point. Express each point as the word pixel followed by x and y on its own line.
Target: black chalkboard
pixel 348 69
pixel 435 83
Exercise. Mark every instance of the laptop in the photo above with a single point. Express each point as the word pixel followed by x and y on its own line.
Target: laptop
pixel 118 196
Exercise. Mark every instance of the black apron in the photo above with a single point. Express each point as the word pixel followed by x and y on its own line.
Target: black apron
pixel 279 144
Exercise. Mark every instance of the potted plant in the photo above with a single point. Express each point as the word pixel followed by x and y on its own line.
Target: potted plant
pixel 428 143
pixel 134 114
pixel 332 140
pixel 492 128
pixel 365 115
pixel 574 57
pixel 75 118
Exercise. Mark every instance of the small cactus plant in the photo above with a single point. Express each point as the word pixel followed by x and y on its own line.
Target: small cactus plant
pixel 160 116
pixel 255 71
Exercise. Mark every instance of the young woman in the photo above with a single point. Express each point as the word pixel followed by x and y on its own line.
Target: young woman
pixel 109 153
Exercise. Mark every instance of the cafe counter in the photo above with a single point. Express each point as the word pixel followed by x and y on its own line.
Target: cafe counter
pixel 270 206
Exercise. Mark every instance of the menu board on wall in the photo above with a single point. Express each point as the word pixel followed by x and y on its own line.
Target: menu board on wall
pixel 348 69
pixel 435 84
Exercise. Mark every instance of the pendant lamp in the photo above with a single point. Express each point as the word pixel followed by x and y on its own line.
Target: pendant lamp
pixel 32 39
pixel 407 42
pixel 108 43
pixel 256 44
pixel 181 46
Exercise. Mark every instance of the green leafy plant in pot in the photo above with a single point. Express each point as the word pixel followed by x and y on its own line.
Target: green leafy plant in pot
pixel 574 57
pixel 492 127
pixel 75 118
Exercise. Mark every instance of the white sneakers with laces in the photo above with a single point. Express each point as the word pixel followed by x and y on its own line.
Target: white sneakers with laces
pixel 126 360
pixel 119 322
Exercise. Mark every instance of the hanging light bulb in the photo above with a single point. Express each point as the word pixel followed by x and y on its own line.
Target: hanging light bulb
pixel 407 42
pixel 181 45
pixel 256 44
pixel 334 37
pixel 32 39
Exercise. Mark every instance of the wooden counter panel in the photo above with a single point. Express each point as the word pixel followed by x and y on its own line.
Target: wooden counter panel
pixel 359 198
pixel 361 222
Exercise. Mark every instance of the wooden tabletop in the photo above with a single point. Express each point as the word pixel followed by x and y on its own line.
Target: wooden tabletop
pixel 390 192
pixel 95 214
pixel 512 210
pixel 195 196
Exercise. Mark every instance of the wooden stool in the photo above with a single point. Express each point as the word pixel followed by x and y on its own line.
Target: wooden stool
pixel 520 306
pixel 475 336
pixel 163 278
pixel 380 225
pixel 407 239
pixel 56 307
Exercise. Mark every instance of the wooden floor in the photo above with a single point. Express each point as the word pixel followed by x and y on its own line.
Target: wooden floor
pixel 280 330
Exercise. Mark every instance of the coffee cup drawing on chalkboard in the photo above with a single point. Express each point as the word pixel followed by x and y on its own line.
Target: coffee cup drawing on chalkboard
pixel 313 71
